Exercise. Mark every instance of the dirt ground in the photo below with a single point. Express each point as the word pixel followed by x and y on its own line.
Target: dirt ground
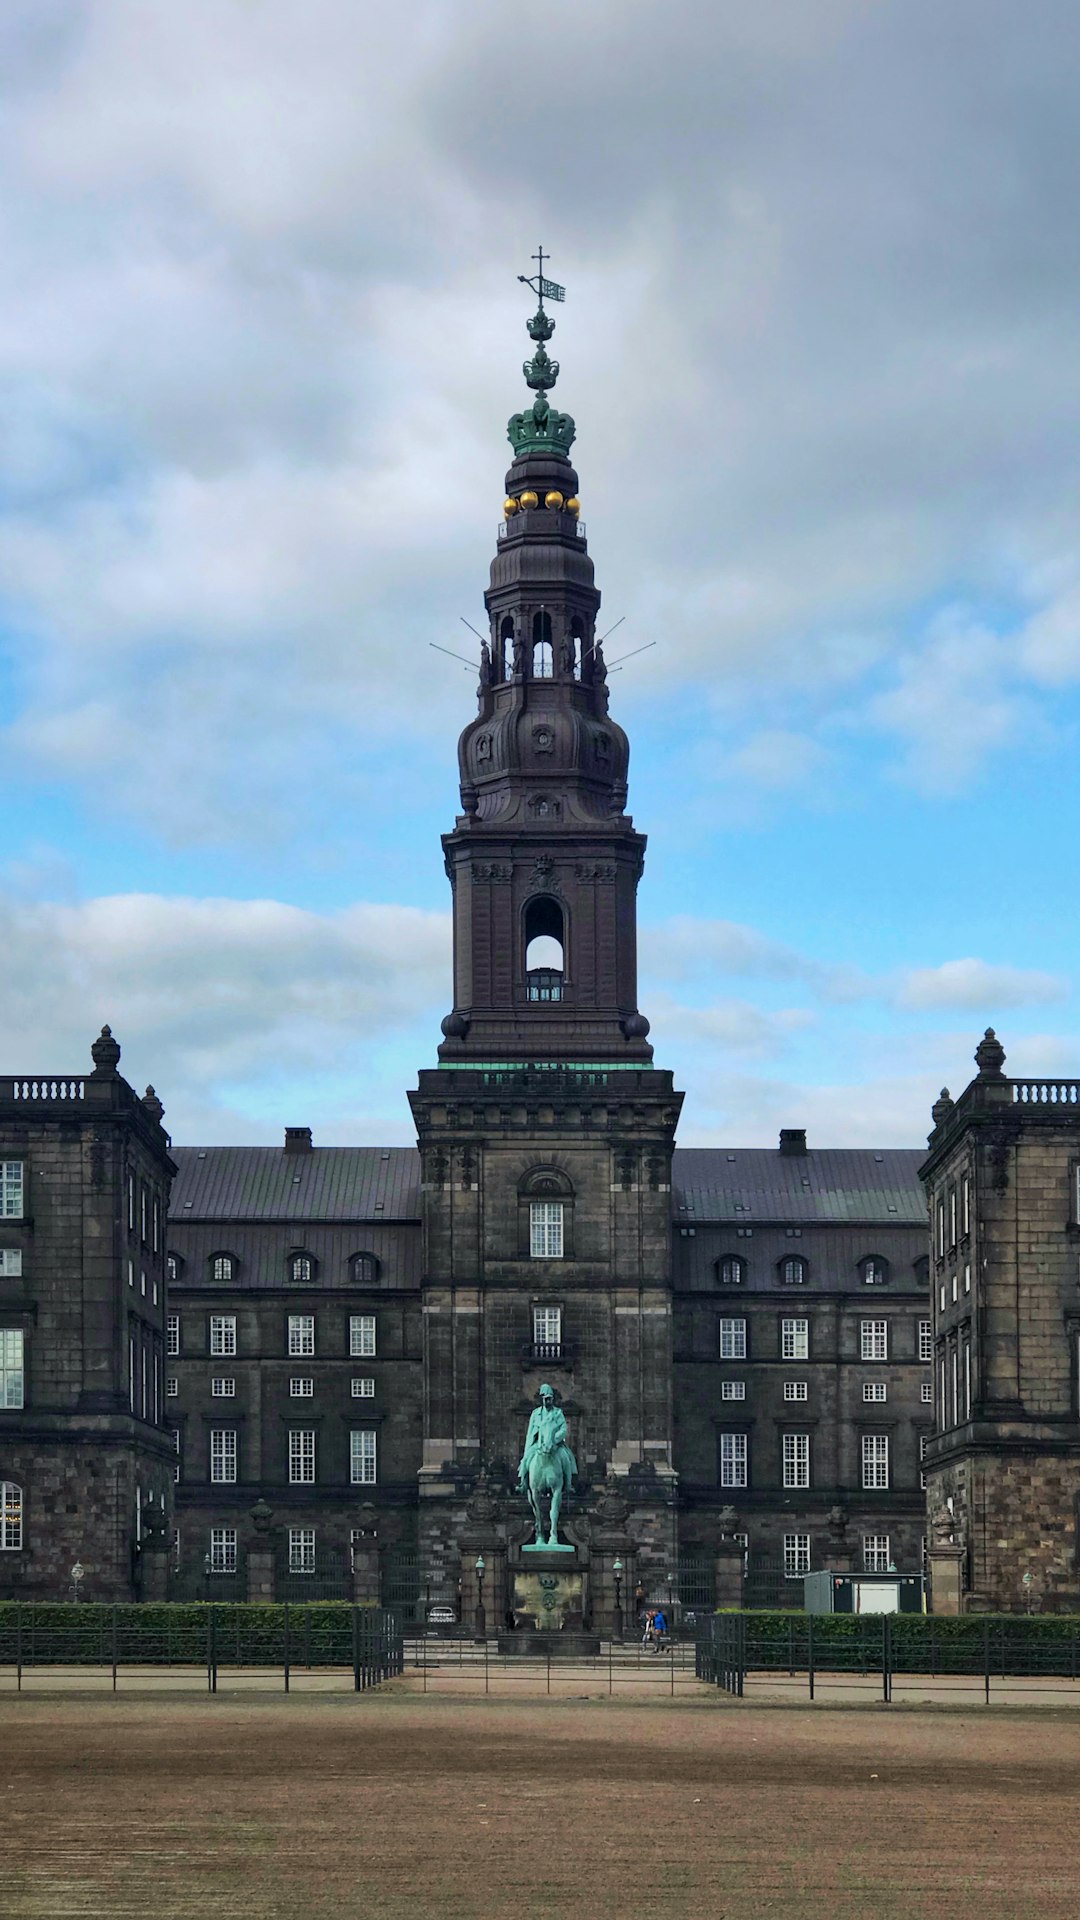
pixel 397 1806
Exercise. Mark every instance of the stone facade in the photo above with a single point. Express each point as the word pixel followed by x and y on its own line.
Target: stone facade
pixel 1003 1468
pixel 82 1304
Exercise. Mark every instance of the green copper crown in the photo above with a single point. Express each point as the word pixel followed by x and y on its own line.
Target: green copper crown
pixel 541 428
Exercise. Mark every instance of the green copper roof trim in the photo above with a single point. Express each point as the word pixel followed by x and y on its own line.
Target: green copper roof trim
pixel 545 1066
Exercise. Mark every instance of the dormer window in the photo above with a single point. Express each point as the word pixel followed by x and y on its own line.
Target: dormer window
pixel 731 1271
pixel 222 1267
pixel 793 1272
pixel 365 1269
pixel 874 1271
pixel 301 1269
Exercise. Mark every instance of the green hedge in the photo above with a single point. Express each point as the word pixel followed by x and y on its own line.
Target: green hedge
pixel 916 1642
pixel 320 1634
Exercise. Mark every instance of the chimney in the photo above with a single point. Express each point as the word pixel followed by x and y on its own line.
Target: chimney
pixel 298 1139
pixel 793 1139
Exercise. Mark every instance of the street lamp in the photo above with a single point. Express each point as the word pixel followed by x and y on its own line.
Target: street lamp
pixel 670 1578
pixel 617 1570
pixel 481 1623
pixel 206 1565
pixel 77 1574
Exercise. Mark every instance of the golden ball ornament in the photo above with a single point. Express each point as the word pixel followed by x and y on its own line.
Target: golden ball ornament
pixel 553 499
pixel 509 506
pixel 529 499
pixel 573 505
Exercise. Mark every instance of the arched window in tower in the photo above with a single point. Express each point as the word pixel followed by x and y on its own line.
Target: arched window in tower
pixel 576 645
pixel 544 949
pixel 504 651
pixel 541 649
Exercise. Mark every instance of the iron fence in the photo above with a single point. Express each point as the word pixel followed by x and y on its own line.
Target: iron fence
pixel 890 1648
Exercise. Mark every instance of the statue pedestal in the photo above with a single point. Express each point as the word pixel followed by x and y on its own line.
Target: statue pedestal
pixel 528 1645
pixel 544 1546
pixel 548 1596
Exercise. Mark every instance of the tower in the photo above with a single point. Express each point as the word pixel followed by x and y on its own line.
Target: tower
pixel 1003 1468
pixel 545 1132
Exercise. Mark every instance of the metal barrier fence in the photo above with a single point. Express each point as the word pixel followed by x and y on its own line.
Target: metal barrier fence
pixel 895 1649
pixel 366 1640
pixel 460 1664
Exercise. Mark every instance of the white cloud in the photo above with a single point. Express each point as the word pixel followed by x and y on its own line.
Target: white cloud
pixel 776 759
pixel 954 703
pixel 977 986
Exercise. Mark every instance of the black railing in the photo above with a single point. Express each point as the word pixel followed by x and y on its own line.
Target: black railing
pixel 547 1353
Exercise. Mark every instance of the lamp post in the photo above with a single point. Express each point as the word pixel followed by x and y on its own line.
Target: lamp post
pixel 670 1578
pixel 206 1576
pixel 77 1574
pixel 481 1622
pixel 617 1571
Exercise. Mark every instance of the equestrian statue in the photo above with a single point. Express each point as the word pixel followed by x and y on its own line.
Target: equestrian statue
pixel 547 1466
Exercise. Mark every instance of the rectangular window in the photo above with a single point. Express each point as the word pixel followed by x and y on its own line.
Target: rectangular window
pixel 157 1223
pixel 176 1450
pixel 733 1459
pixel 926 1392
pixel 142 1215
pixel 143 1372
pixel 942 1404
pixel 223 1387
pixel 794 1339
pixel 10 1263
pixel 131 1372
pixel 172 1333
pixel 965 1205
pixel 876 1557
pixel 796 1454
pixel 301 1549
pixel 874 1339
pixel 796 1555
pixel 11 1367
pixel 874 1390
pixel 301 1333
pixel 363 1388
pixel 940 1234
pixel 953 1376
pixel 922 1457
pixel 11 1189
pixel 10 1517
pixel 546 1229
pixel 172 1387
pixel 222 1454
pixel 223 1333
pixel 547 1326
pixel 301 1456
pixel 301 1387
pixel 952 1216
pixel 733 1390
pixel 223 1549
pixel 926 1341
pixel 875 1460
pixel 795 1390
pixel 362 1457
pixel 954 1286
pixel 131 1203
pixel 967 1279
pixel 131 1273
pixel 733 1339
pixel 362 1336
pixel 967 1380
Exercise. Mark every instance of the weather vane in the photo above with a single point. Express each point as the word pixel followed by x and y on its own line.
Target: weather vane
pixel 543 289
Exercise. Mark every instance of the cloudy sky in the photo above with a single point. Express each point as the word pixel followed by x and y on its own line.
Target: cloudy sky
pixel 260 332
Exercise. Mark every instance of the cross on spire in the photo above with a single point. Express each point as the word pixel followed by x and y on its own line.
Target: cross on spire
pixel 541 287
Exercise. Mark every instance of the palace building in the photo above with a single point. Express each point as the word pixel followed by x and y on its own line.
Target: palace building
pixel 308 1370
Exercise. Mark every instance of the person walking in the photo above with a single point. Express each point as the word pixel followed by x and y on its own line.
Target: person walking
pixel 648 1637
pixel 660 1627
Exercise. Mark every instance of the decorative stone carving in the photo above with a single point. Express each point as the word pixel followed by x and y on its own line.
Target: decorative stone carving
pixel 493 872
pixel 592 870
pixel 612 1509
pixel 105 1053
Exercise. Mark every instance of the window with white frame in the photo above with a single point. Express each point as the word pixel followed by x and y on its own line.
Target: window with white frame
pixel 176 1450
pixel 157 1223
pixel 223 1549
pixel 172 1266
pixel 874 1390
pixel 874 1339
pixel 546 1229
pixel 172 1333
pixel 875 1460
pixel 733 1390
pixel 876 1557
pixel 301 1268
pixel 172 1387
pixel 362 1336
pixel 967 1380
pixel 793 1271
pixel 730 1271
pixel 223 1386
pixel 965 1205
pixel 873 1272
pixel 131 1372
pixel 12 1377
pixel 967 1279
pixel 222 1455
pixel 142 1214
pixel 363 1387
pixel 794 1339
pixel 301 1549
pixel 223 1333
pixel 301 1333
pixel 940 1227
pixel 926 1340
pixel 943 1408
pixel 301 1387
pixel 796 1459
pixel 301 1456
pixel 796 1555
pixel 952 1216
pixel 733 1339
pixel 547 1326
pixel 926 1393
pixel 222 1266
pixel 11 1517
pixel 922 1456
pixel 11 1189
pixel 362 1456
pixel 733 1459
pixel 10 1263
pixel 796 1390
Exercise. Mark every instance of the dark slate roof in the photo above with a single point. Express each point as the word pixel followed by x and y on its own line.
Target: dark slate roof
pixel 833 1184
pixel 264 1183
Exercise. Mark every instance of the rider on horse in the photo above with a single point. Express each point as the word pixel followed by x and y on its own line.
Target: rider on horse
pixel 547 1435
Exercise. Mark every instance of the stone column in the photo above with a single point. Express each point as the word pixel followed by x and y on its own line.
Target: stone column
pixel 729 1572
pixel 840 1546
pixel 366 1572
pixel 155 1567
pixel 946 1579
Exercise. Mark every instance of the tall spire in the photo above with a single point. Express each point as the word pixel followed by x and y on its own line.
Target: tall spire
pixel 544 859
